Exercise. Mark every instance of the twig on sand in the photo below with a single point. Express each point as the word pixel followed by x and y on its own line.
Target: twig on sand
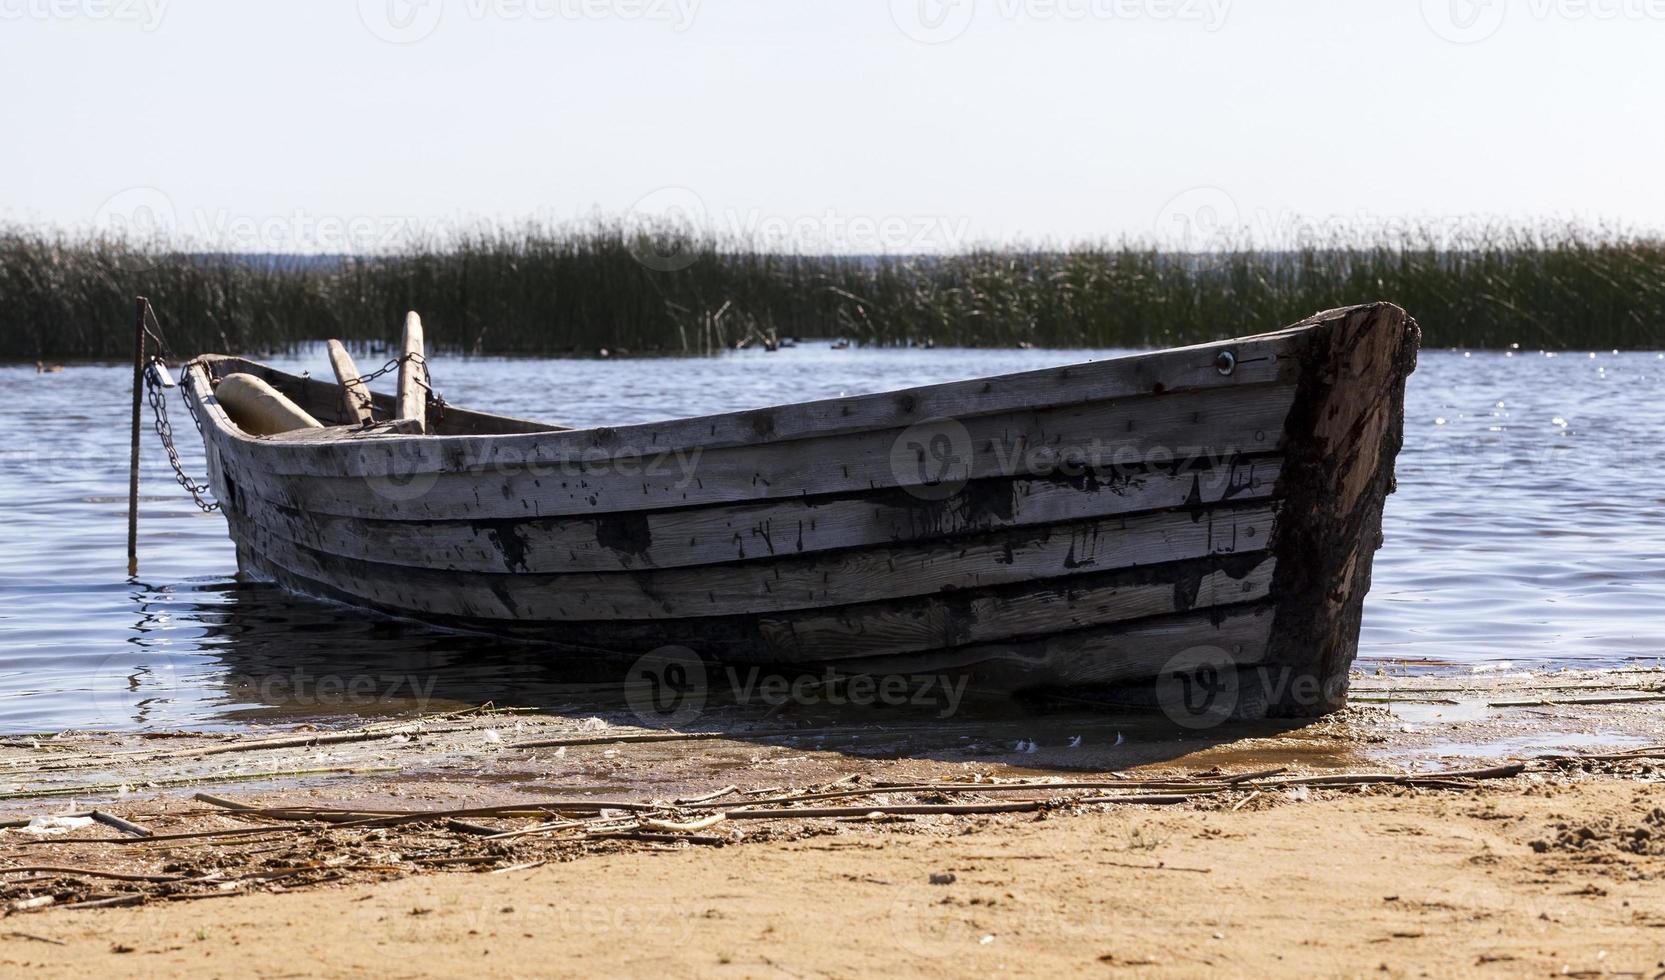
pixel 1245 801
pixel 1157 867
pixel 807 813
pixel 538 829
pixel 14 934
pixel 133 898
pixel 1180 784
pixel 654 838
pixel 632 737
pixel 375 818
pixel 708 797
pixel 1647 752
pixel 159 838
pixel 88 873
pixel 1402 779
pixel 125 826
pixel 193 896
pixel 1575 702
pixel 673 827
pixel 203 780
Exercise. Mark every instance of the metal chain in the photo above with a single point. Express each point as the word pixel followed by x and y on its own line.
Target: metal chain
pixel 164 429
pixel 436 403
pixel 156 395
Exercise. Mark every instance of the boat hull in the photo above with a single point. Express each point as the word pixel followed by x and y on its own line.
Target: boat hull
pixel 1203 512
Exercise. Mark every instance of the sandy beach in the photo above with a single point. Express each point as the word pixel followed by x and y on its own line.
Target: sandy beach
pixel 1421 832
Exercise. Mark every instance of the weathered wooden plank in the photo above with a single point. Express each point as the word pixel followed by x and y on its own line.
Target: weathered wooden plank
pixel 681 538
pixel 386 429
pixel 355 395
pixel 1268 359
pixel 1346 431
pixel 413 391
pixel 987 617
pixel 1211 428
pixel 812 581
pixel 1103 655
pixel 1079 602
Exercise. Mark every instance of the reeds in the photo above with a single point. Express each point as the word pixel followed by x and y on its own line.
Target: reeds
pixel 639 291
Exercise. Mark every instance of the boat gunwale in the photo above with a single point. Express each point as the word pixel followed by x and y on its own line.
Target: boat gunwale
pixel 585 441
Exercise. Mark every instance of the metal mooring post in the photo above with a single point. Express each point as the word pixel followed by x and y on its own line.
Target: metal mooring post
pixel 141 305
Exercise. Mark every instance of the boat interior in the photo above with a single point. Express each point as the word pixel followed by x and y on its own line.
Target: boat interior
pixel 326 402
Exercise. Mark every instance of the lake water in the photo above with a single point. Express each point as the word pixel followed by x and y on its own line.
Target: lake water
pixel 1528 532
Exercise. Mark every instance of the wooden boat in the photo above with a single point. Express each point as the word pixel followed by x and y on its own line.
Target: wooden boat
pixel 1078 526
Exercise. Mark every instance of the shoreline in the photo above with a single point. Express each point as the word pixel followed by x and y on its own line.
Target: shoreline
pixel 1394 720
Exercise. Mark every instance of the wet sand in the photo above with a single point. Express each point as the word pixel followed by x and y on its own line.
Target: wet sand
pixel 1233 849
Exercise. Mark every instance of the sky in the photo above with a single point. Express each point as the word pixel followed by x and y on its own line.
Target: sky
pixel 829 125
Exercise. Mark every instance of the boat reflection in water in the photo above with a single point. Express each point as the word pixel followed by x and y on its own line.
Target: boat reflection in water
pixel 254 654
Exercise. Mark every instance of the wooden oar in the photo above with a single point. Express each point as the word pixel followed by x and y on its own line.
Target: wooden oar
pixel 413 400
pixel 355 395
